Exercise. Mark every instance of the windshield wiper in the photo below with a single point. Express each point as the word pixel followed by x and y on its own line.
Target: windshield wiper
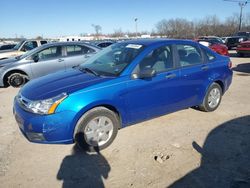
pixel 89 70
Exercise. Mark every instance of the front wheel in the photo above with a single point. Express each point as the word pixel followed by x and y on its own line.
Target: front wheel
pixel 96 129
pixel 17 79
pixel 212 99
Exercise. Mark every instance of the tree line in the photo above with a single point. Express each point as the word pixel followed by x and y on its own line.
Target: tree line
pixel 210 25
pixel 183 28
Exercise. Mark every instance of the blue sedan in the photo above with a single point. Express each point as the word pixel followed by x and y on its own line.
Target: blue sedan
pixel 123 84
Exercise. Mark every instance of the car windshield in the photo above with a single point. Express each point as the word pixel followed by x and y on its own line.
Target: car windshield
pixel 112 60
pixel 18 45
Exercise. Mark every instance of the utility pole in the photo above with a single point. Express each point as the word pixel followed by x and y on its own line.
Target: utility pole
pixel 136 27
pixel 242 4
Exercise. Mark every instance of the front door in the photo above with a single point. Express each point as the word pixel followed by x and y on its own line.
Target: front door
pixel 49 61
pixel 147 98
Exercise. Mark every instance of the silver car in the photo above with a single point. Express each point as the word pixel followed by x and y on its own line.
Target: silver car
pixel 43 60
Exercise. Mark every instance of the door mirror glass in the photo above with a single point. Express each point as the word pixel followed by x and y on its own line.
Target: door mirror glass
pixel 146 73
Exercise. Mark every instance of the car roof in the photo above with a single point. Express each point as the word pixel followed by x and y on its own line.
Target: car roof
pixel 149 42
pixel 68 43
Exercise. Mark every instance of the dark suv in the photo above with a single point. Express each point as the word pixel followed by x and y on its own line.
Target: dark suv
pixel 244 34
pixel 232 42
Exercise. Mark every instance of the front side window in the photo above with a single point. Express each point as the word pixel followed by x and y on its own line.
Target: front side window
pixel 77 50
pixel 43 42
pixel 111 61
pixel 49 53
pixel 160 59
pixel 188 55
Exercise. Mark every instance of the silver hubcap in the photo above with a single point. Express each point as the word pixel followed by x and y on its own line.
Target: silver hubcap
pixel 98 131
pixel 214 98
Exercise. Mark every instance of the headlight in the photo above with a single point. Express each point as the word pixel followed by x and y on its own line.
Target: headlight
pixel 47 106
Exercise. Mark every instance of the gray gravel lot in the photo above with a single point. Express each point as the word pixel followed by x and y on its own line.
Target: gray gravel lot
pixel 188 148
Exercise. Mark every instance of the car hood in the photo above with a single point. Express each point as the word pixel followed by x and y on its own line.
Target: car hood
pixel 54 84
pixel 8 61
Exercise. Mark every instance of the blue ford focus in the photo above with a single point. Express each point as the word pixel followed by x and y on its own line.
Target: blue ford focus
pixel 124 84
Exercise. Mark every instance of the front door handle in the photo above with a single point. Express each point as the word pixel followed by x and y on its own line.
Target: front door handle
pixel 170 76
pixel 204 67
pixel 60 60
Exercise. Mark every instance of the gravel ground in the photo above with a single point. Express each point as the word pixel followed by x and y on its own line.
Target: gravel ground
pixel 188 148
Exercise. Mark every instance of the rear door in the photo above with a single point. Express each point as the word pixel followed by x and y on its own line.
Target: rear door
pixel 194 73
pixel 76 54
pixel 49 61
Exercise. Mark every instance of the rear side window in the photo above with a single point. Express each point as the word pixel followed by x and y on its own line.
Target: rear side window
pixel 188 55
pixel 210 56
pixel 73 50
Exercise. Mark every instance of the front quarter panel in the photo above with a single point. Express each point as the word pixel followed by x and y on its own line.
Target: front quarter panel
pixel 110 93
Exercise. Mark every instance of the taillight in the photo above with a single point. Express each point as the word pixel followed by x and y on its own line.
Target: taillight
pixel 230 64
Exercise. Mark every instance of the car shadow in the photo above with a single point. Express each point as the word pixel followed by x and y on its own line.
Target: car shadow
pixel 225 158
pixel 243 68
pixel 83 169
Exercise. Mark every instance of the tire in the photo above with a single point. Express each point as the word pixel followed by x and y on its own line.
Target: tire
pixel 96 129
pixel 212 98
pixel 17 79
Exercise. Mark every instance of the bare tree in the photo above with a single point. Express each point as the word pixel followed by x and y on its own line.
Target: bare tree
pixel 117 33
pixel 210 25
pixel 175 28
pixel 97 29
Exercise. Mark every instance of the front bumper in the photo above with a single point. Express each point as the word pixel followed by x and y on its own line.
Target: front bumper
pixel 1 78
pixel 49 129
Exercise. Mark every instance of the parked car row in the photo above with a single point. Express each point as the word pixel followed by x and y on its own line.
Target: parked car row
pixel 240 42
pixel 43 60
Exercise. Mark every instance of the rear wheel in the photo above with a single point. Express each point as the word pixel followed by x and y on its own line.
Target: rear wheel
pixel 212 99
pixel 96 129
pixel 17 79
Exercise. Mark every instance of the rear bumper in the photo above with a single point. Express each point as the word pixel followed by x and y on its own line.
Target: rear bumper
pixel 49 129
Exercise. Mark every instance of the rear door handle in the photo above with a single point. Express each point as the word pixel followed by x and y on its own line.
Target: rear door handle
pixel 170 76
pixel 205 67
pixel 60 60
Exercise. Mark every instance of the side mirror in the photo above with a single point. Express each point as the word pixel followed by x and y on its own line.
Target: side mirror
pixel 145 73
pixel 35 58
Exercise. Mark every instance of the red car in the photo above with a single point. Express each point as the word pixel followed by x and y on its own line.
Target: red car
pixel 243 48
pixel 215 46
